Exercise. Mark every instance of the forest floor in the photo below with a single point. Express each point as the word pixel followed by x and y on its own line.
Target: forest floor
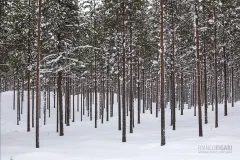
pixel 81 141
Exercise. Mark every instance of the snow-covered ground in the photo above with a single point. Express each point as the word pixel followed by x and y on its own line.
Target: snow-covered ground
pixel 83 142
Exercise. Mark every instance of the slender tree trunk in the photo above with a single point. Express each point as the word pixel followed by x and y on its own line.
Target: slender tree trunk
pixel 131 105
pixel 49 102
pixel 157 96
pixel 59 84
pixel 112 100
pixel 119 94
pixel 54 92
pixel 67 107
pixel 205 89
pixel 18 101
pixel 124 78
pixel 194 94
pixel 173 72
pixel 225 82
pixel 73 109
pixel 38 74
pixel 33 104
pixel 151 92
pixel 215 68
pixel 95 89
pixel 163 139
pixel 107 94
pixel 205 72
pixel 57 108
pixel 45 99
pixel 103 98
pixel 143 90
pixel 212 92
pixel 182 95
pixel 232 87
pixel 22 95
pixel 198 75
pixel 89 101
pixel 14 91
pixel 78 99
pixel 82 99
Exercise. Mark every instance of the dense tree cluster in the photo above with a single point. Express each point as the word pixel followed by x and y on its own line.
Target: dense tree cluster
pixel 97 48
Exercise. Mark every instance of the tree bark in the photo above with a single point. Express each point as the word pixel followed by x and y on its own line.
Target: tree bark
pixel 123 86
pixel 59 87
pixel 163 139
pixel 198 75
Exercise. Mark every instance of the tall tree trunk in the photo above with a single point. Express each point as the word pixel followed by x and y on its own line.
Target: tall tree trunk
pixel 198 74
pixel 131 105
pixel 124 78
pixel 173 72
pixel 225 82
pixel 215 68
pixel 95 76
pixel 163 139
pixel 38 73
pixel 205 72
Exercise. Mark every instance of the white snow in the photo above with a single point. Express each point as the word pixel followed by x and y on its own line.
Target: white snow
pixel 81 141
